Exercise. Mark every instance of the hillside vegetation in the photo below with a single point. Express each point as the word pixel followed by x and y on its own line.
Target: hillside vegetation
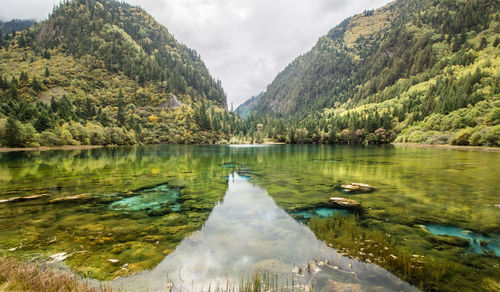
pixel 103 72
pixel 412 71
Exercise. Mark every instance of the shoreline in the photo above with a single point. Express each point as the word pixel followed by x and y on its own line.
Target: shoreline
pixel 446 146
pixel 413 145
pixel 68 147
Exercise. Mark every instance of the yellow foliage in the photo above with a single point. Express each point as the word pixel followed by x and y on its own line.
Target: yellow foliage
pixel 153 119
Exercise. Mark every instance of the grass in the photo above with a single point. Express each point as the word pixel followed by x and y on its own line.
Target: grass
pixel 21 276
pixel 16 275
pixel 263 282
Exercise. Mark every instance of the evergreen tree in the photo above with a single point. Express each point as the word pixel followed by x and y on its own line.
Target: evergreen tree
pixel 12 134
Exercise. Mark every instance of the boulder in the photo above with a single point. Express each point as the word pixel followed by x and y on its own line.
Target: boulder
pixel 344 203
pixel 356 188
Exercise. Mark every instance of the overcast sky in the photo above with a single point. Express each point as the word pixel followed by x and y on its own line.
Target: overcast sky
pixel 244 43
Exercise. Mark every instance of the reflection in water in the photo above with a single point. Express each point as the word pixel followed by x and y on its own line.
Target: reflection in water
pixel 248 231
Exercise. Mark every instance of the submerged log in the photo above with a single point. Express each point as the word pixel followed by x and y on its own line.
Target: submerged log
pixel 70 198
pixel 22 199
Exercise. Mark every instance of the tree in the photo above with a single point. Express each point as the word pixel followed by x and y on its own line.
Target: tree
pixel 43 121
pixel 259 137
pixel 120 116
pixel 12 134
pixel 35 85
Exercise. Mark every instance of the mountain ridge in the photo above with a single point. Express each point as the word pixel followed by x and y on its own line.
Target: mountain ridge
pixel 339 87
pixel 105 72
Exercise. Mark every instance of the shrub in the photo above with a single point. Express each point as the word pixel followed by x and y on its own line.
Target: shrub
pixel 477 138
pixel 463 137
pixel 492 137
pixel 48 138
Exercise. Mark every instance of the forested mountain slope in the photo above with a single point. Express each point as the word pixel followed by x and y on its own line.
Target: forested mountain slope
pixel 105 72
pixel 426 71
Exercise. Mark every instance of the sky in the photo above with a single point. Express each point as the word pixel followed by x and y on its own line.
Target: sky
pixel 244 43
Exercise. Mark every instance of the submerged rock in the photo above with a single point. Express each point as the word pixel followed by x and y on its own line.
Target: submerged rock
pixel 356 188
pixel 345 203
pixel 343 287
pixel 21 199
pixel 273 266
pixel 450 240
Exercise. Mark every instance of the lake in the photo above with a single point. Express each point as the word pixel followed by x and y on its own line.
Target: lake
pixel 195 217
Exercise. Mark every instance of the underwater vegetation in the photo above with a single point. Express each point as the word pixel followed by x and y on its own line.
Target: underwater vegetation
pixel 157 201
pixel 353 237
pixel 320 212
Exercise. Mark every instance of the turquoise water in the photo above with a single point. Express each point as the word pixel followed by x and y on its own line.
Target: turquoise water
pixel 493 241
pixel 152 199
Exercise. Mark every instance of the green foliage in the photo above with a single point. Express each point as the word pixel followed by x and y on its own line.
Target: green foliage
pixel 124 38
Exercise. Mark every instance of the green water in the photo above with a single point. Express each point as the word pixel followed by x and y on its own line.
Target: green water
pixel 139 203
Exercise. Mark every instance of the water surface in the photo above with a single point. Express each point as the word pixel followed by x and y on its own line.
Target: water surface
pixel 148 208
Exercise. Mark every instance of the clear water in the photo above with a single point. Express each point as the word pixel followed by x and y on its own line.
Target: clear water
pixel 145 206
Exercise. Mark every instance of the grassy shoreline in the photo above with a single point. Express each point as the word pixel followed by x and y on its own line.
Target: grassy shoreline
pixel 18 275
pixel 414 145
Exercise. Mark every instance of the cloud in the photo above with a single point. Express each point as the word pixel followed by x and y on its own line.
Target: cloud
pixel 244 43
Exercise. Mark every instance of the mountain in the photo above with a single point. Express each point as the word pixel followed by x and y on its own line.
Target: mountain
pixel 104 72
pixel 422 71
pixel 16 25
pixel 248 106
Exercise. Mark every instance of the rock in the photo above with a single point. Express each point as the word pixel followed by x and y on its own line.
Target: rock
pixel 21 199
pixel 356 188
pixel 172 102
pixel 114 261
pixel 343 287
pixel 70 198
pixel 450 240
pixel 345 203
